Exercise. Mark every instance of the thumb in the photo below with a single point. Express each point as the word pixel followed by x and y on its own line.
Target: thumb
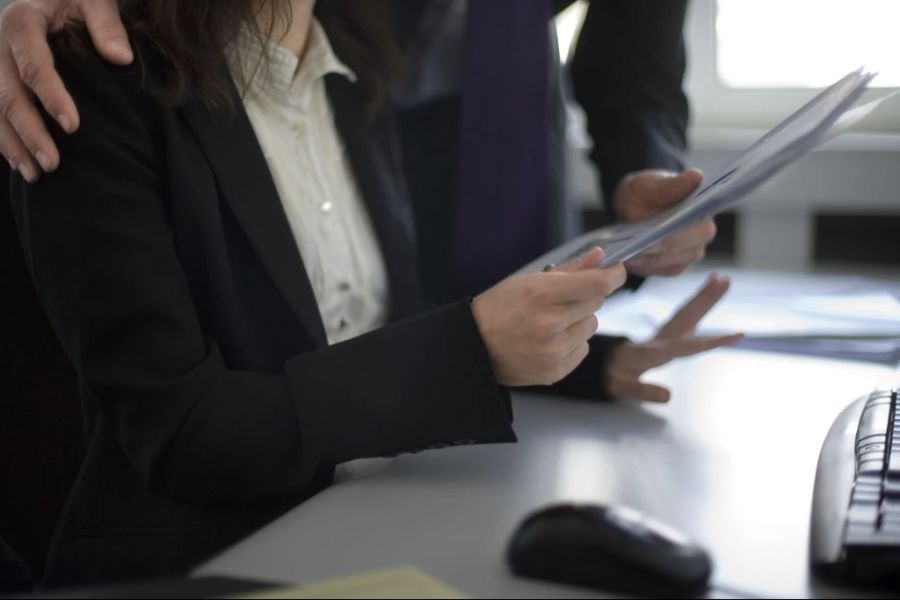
pixel 591 259
pixel 672 190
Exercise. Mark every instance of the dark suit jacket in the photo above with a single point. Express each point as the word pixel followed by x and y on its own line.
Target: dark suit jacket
pixel 626 71
pixel 163 258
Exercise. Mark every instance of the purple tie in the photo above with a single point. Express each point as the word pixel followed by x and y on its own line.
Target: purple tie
pixel 501 220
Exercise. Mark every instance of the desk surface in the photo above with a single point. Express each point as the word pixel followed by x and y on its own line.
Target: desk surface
pixel 730 461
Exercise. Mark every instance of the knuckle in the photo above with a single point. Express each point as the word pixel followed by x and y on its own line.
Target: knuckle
pixel 546 323
pixel 530 289
pixel 7 100
pixel 549 353
pixel 11 19
pixel 30 72
pixel 557 372
pixel 590 326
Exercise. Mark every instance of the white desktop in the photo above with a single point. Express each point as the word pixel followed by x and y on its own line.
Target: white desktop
pixel 730 462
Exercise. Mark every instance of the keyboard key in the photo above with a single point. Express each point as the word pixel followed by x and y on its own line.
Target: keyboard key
pixel 867 483
pixel 874 421
pixel 870 467
pixel 877 447
pixel 893 467
pixel 857 534
pixel 892 488
pixel 871 481
pixel 872 438
pixel 863 513
pixel 867 456
pixel 872 497
pixel 891 506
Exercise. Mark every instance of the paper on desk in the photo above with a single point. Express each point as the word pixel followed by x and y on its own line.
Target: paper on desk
pixel 401 582
pixel 823 117
pixel 856 316
pixel 833 317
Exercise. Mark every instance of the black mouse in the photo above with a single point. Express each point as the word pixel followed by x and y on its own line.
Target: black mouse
pixel 610 548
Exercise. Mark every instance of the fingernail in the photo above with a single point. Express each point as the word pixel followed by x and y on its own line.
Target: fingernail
pixel 120 46
pixel 27 171
pixel 43 160
pixel 65 123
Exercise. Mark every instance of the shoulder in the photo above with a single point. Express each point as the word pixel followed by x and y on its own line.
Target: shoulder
pixel 102 90
pixel 116 108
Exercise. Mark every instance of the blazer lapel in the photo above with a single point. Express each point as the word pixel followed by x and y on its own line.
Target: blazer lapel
pixel 369 150
pixel 246 184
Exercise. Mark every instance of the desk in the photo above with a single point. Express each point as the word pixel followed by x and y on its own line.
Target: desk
pixel 730 461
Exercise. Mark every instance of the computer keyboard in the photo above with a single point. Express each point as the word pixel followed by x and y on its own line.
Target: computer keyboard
pixel 855 528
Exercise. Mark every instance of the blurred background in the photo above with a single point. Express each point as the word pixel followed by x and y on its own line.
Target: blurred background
pixel 750 64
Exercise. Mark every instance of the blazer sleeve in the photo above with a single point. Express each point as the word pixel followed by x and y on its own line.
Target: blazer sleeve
pixel 627 74
pixel 98 240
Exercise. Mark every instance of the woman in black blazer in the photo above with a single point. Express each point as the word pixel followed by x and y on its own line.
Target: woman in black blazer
pixel 166 264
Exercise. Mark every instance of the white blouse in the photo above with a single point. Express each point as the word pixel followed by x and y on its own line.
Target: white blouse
pixel 288 107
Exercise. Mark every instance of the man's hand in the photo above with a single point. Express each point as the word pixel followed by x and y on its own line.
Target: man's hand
pixel 674 339
pixel 645 193
pixel 26 66
pixel 536 327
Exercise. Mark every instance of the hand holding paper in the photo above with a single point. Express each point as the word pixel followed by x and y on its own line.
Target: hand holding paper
pixel 646 193
pixel 825 115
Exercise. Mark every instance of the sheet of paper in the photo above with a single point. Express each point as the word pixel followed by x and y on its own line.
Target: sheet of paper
pixel 400 582
pixel 840 317
pixel 821 118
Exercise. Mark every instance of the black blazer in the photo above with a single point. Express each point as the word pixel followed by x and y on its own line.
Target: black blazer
pixel 213 403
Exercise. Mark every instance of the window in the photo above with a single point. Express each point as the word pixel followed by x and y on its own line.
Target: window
pixel 805 43
pixel 753 62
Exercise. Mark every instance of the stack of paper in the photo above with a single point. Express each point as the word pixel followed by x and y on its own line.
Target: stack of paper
pixel 822 118
pixel 849 318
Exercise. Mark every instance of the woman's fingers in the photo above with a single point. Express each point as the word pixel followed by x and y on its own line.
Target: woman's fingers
pixel 656 353
pixel 590 259
pixel 636 389
pixel 688 316
pixel 691 346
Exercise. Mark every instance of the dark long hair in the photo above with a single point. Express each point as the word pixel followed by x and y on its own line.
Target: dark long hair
pixel 188 36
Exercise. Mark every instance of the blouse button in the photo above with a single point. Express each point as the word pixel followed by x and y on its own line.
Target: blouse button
pixel 326 207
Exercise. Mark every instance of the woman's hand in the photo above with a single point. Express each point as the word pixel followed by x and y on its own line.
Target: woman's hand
pixel 535 327
pixel 675 339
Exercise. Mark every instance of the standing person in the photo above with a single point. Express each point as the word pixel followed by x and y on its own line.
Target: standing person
pixel 226 255
pixel 483 128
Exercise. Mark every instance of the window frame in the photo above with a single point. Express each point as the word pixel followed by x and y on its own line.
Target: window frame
pixel 718 106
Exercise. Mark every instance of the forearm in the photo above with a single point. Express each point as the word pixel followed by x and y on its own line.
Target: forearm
pixel 417 384
pixel 200 416
pixel 627 74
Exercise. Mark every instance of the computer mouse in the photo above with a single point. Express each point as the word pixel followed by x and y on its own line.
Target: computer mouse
pixel 610 548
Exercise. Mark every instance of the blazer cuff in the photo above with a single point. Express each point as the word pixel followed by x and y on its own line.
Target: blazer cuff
pixel 588 380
